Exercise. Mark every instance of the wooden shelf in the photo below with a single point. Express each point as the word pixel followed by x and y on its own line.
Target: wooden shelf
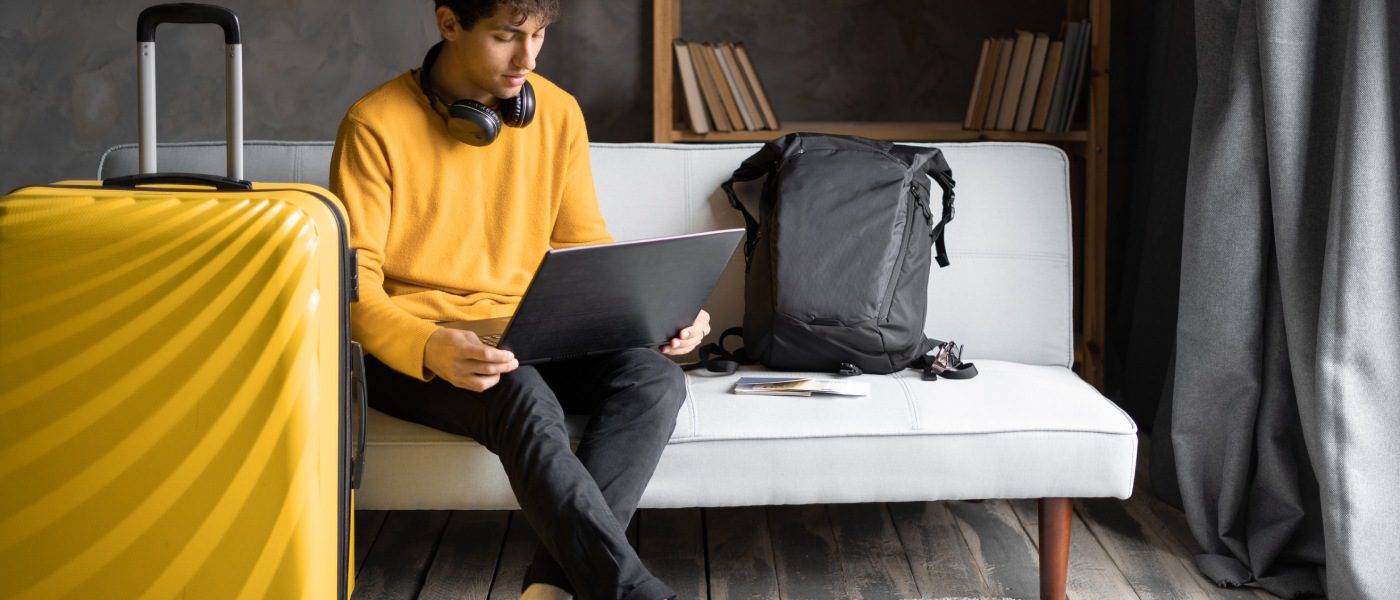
pixel 914 131
pixel 1089 181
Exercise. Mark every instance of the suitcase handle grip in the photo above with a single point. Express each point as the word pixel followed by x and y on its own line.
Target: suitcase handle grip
pixel 361 390
pixel 187 12
pixel 226 184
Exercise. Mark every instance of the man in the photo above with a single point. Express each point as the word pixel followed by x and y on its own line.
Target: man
pixel 448 230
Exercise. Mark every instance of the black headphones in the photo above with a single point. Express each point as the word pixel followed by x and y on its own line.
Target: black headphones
pixel 472 122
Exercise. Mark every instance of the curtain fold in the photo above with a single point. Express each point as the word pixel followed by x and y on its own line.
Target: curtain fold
pixel 1285 400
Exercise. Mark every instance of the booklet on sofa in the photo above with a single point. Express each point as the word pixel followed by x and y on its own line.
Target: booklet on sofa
pixel 800 386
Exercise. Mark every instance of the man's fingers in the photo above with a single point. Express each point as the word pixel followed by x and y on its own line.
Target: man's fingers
pixel 496 355
pixel 482 352
pixel 479 367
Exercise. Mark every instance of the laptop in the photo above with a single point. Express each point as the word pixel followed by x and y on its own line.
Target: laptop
pixel 603 298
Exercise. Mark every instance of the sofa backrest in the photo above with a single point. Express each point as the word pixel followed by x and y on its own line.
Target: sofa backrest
pixel 1007 294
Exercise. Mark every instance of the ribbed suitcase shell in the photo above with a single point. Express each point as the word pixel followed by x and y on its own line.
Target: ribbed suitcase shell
pixel 173 393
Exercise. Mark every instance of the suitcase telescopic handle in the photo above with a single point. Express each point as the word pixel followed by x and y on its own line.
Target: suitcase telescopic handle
pixel 186 12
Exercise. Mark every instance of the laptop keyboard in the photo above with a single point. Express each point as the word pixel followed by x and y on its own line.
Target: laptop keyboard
pixel 491 339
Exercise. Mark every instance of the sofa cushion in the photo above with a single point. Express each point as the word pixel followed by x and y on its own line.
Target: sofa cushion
pixel 1014 431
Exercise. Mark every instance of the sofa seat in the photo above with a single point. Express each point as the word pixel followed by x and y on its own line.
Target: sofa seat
pixel 1015 431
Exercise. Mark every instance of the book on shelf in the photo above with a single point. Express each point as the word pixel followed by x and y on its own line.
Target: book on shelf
pixel 690 89
pixel 1015 79
pixel 770 118
pixel 800 386
pixel 1081 61
pixel 1030 82
pixel 718 80
pixel 1029 90
pixel 708 89
pixel 980 78
pixel 998 83
pixel 724 52
pixel 726 96
pixel 1047 85
pixel 1060 96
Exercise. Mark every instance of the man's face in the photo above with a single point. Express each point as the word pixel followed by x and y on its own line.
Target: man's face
pixel 496 52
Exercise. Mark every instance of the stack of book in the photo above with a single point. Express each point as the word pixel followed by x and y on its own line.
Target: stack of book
pixel 720 88
pixel 1029 83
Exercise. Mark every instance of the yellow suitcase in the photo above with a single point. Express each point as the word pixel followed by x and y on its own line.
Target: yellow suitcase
pixel 179 395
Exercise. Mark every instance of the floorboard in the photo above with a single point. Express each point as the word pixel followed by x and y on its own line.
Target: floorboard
pixel 739 554
pixel 671 543
pixel 938 554
pixel 999 547
pixel 398 560
pixel 367 525
pixel 516 553
pixel 1152 570
pixel 804 546
pixel 872 557
pixel 466 556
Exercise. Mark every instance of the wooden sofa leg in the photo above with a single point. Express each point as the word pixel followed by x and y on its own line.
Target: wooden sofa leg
pixel 1055 518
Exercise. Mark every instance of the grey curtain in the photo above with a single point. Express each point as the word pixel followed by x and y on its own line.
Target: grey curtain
pixel 1285 414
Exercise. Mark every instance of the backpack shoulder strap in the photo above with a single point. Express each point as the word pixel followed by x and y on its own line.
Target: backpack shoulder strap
pixel 716 359
pixel 937 168
pixel 759 164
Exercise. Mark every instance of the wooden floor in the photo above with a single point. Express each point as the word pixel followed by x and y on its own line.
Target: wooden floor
pixel 1139 548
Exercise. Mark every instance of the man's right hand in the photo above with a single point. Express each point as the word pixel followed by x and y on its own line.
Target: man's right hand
pixel 459 357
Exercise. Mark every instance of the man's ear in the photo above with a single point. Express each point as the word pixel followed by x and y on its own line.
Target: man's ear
pixel 447 23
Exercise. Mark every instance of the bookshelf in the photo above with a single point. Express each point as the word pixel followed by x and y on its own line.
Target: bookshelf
pixel 1086 143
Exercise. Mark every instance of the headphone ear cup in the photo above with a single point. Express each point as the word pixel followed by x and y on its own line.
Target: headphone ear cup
pixel 473 123
pixel 520 110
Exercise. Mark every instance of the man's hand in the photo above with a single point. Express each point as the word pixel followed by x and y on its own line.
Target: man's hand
pixel 460 358
pixel 690 337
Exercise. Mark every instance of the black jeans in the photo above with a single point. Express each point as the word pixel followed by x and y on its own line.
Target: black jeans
pixel 578 504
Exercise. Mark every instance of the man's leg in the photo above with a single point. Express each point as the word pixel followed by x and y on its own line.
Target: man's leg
pixel 632 398
pixel 521 421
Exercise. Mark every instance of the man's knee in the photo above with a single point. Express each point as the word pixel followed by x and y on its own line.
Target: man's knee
pixel 663 379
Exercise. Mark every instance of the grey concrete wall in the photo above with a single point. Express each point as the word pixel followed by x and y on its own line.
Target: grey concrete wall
pixel 68 67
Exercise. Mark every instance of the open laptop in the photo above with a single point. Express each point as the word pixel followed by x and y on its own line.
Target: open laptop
pixel 608 297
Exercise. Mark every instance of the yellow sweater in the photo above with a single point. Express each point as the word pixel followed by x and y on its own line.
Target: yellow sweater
pixel 447 231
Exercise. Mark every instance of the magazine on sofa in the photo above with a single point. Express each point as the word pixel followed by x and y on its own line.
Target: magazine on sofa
pixel 800 386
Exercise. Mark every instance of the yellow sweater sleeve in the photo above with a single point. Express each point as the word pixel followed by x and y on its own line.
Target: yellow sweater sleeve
pixel 361 177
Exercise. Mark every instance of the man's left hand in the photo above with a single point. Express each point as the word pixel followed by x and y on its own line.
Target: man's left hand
pixel 690 337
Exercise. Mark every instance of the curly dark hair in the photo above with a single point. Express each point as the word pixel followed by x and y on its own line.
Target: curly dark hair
pixel 470 11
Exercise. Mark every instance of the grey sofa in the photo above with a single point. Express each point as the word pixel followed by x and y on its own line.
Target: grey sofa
pixel 1027 427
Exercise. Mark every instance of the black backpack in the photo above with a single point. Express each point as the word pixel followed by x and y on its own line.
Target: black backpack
pixel 837 261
